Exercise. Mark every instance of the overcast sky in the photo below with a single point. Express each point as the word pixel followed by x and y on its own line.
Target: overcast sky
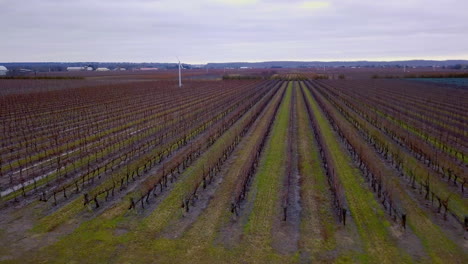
pixel 200 31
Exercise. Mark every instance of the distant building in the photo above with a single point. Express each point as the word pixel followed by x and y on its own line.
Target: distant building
pixel 102 69
pixel 120 69
pixel 76 68
pixel 84 68
pixel 3 70
pixel 149 69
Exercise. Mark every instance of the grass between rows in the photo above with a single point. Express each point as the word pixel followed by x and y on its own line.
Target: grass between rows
pixel 170 207
pixel 77 164
pixel 218 212
pixel 451 150
pixel 457 204
pixel 92 138
pixel 318 223
pixel 50 222
pixel 95 241
pixel 197 245
pixel 437 245
pixel 369 217
pixel 265 190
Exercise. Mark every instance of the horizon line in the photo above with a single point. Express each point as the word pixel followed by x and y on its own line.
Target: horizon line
pixel 246 61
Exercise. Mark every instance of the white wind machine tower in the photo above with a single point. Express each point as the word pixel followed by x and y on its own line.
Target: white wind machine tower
pixel 180 73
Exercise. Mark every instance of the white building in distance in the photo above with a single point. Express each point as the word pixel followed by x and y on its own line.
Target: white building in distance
pixel 85 68
pixel 75 68
pixel 3 70
pixel 102 69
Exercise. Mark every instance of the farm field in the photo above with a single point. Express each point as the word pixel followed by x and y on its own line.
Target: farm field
pixel 292 169
pixel 463 82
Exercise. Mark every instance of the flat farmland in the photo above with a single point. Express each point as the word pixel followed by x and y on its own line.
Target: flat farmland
pixel 281 170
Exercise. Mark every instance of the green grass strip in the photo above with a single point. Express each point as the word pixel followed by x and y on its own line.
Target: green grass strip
pixel 365 210
pixel 317 220
pixel 266 187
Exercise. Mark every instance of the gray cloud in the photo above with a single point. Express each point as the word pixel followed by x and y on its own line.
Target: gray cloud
pixel 231 30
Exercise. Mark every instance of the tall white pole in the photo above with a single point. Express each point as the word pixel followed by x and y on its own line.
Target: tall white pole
pixel 180 76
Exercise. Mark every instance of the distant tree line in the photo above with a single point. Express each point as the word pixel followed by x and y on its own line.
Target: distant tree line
pixel 42 78
pixel 426 75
